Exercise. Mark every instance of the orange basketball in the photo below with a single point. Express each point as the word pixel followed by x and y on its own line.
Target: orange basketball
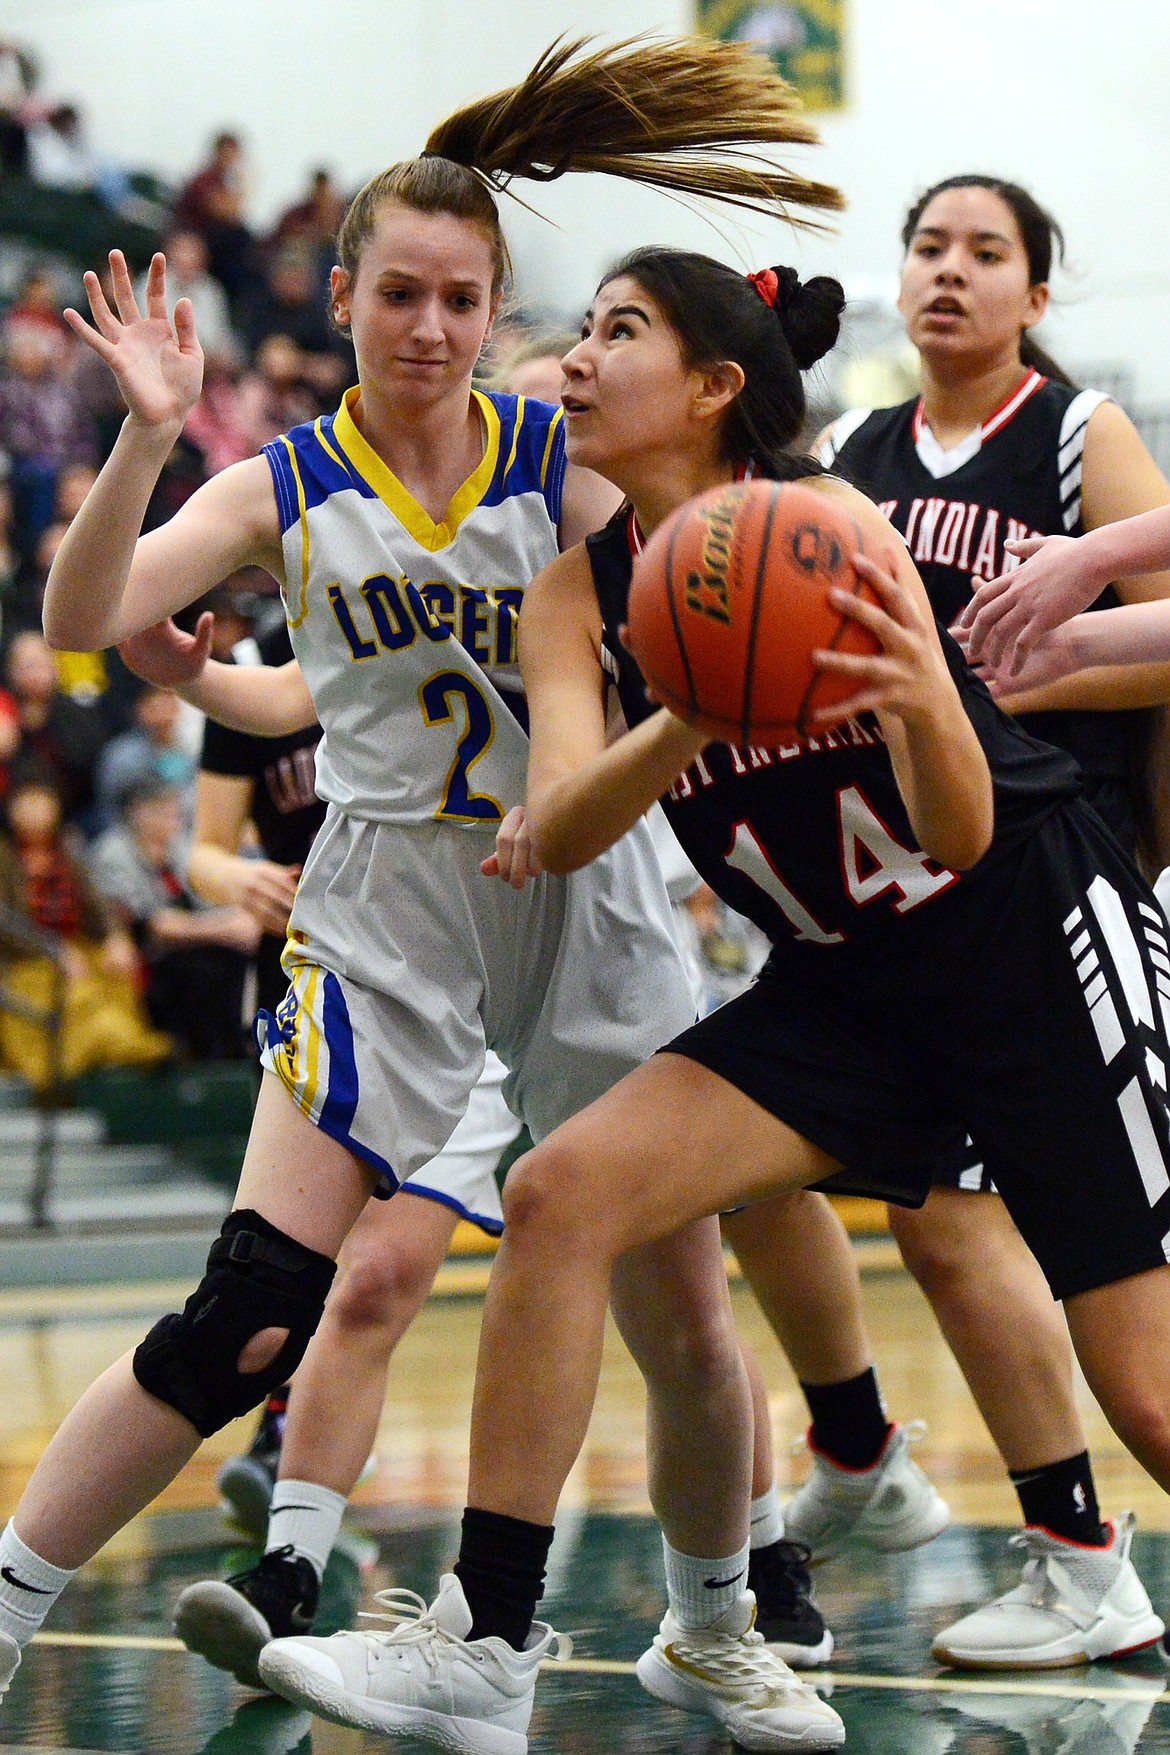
pixel 730 597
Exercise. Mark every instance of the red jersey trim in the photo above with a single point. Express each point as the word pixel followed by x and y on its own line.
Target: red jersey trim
pixel 999 417
pixel 634 537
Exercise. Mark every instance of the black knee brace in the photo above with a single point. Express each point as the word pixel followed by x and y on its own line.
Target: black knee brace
pixel 257 1278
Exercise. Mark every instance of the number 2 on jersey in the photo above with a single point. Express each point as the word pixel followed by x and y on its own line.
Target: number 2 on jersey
pixel 435 698
pixel 865 841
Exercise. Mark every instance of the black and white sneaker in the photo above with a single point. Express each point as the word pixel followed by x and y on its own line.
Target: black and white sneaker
pixel 230 1621
pixel 245 1482
pixel 786 1615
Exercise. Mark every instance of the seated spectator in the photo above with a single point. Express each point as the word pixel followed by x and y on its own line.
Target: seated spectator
pixel 58 156
pixel 291 303
pixel 276 394
pixel 150 751
pixel 196 958
pixel 188 278
pixel 61 951
pixel 316 218
pixel 234 417
pixel 62 733
pixel 43 425
pixel 216 424
pixel 212 204
pixel 38 302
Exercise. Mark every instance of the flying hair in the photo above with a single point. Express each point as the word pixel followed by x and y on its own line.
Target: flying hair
pixel 679 114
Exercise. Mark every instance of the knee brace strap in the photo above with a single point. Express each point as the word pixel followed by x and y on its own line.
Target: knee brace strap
pixel 257 1277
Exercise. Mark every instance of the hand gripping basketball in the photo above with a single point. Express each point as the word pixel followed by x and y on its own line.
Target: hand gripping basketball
pixel 729 601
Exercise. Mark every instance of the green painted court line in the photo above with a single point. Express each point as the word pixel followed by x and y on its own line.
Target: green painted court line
pixel 1146 1691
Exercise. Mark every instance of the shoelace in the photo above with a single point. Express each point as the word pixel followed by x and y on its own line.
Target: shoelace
pixel 412 1622
pixel 743 1659
pixel 1038 1587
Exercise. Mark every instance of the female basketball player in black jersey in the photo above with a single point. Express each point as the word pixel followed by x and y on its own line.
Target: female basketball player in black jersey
pixel 999 445
pixel 991 973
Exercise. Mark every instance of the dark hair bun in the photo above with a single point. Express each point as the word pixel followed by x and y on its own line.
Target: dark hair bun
pixel 809 313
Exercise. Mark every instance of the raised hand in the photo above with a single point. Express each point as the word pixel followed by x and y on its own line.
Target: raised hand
pixel 1008 616
pixel 158 365
pixel 167 657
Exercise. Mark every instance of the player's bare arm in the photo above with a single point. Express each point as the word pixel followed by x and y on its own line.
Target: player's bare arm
pixel 582 797
pixel 218 873
pixel 939 765
pixel 1127 539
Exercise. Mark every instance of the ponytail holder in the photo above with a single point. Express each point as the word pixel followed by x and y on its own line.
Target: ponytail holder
pixel 767 284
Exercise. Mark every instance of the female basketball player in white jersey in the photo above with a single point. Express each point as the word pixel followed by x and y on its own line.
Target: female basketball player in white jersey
pixel 999 441
pixel 403 961
pixel 876 1037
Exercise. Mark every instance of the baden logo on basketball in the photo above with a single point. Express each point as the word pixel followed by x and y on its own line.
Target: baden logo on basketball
pixel 708 591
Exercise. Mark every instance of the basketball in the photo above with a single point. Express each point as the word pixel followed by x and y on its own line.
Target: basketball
pixel 730 598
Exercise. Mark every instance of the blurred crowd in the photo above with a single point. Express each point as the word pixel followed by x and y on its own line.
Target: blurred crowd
pixel 107 954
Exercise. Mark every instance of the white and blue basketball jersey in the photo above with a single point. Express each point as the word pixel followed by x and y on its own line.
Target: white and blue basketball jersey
pixel 405 629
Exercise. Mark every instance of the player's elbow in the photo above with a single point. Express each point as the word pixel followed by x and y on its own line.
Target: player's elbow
pixel 962 840
pixel 558 851
pixel 557 837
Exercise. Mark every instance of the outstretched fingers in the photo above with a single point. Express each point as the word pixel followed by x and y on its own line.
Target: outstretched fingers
pixel 156 286
pixel 123 287
pixel 87 333
pixel 185 328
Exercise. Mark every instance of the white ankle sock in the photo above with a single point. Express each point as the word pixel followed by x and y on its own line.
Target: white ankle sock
pixel 307 1518
pixel 29 1586
pixel 700 1591
pixel 767 1519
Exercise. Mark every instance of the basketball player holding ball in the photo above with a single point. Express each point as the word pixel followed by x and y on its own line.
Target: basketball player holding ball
pixel 999 445
pixel 929 984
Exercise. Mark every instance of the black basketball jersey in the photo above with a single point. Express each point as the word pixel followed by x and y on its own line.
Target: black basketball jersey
pixel 811 840
pixel 284 804
pixel 1017 475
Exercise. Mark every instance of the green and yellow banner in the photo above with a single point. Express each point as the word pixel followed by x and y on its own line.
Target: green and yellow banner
pixel 804 38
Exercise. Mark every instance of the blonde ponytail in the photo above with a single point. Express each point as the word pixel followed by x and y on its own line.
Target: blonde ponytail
pixel 679 114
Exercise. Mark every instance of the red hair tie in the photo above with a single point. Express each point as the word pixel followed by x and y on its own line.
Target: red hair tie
pixel 767 284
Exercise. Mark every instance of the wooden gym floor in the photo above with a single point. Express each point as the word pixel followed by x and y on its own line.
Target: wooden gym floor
pixel 107 1674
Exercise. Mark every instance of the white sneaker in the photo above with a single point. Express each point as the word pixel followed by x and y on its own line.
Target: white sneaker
pixel 9 1661
pixel 889 1506
pixel 727 1672
pixel 424 1678
pixel 1074 1604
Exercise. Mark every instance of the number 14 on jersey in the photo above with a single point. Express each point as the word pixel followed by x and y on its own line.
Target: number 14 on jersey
pixel 872 862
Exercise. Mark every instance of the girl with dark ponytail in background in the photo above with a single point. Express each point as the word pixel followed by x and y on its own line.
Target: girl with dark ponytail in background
pixel 1001 446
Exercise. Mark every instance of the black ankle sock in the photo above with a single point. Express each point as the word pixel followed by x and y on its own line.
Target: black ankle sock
pixel 848 1421
pixel 501 1568
pixel 1061 1497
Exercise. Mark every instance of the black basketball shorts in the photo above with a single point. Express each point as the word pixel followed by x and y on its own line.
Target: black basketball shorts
pixel 1026 1010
